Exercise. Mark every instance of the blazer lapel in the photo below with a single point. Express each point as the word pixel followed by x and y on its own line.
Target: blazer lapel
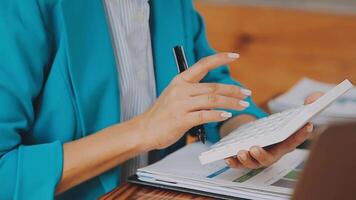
pixel 91 64
pixel 167 31
pixel 92 70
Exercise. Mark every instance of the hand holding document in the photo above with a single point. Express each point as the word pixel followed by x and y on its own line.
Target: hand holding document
pixel 342 110
pixel 183 169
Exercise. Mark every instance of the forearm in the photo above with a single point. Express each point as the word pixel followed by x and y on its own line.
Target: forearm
pixel 90 156
pixel 235 122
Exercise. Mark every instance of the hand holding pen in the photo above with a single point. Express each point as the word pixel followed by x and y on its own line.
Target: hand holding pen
pixel 182 66
pixel 186 103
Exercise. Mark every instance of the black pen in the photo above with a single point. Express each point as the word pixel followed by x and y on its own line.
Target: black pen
pixel 182 65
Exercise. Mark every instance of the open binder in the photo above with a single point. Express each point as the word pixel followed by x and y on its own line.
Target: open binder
pixel 182 171
pixel 134 179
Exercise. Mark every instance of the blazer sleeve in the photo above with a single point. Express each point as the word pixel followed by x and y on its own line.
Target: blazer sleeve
pixel 219 75
pixel 26 171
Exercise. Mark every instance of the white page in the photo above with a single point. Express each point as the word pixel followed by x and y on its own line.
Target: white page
pixel 219 190
pixel 183 166
pixel 210 187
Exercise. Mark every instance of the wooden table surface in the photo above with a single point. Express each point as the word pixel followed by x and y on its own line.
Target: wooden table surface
pixel 132 191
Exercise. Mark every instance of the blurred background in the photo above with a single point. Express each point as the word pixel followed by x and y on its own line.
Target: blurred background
pixel 281 41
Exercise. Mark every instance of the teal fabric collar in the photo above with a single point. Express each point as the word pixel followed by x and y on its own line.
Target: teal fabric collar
pixel 166 32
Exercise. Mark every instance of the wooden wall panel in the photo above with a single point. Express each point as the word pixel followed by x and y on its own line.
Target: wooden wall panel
pixel 279 46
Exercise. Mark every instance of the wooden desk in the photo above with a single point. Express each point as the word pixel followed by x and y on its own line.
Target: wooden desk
pixel 131 191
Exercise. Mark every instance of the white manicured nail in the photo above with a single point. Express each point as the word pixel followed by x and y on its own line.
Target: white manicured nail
pixel 242 156
pixel 233 55
pixel 228 163
pixel 244 104
pixel 255 151
pixel 226 115
pixel 310 128
pixel 246 91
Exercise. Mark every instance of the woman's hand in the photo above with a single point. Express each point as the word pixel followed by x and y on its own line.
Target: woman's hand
pixel 258 157
pixel 186 103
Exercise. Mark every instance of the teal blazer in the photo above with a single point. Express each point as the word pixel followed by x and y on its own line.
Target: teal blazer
pixel 58 83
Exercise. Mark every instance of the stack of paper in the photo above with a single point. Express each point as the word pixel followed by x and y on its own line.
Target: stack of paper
pixel 342 110
pixel 183 169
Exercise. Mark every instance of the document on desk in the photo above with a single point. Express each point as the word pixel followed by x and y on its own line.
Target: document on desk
pixel 342 110
pixel 183 169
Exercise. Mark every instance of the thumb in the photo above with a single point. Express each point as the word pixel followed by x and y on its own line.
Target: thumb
pixel 313 97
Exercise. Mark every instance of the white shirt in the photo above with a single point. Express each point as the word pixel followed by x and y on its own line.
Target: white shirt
pixel 129 23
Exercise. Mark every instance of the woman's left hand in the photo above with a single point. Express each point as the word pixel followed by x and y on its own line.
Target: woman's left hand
pixel 258 157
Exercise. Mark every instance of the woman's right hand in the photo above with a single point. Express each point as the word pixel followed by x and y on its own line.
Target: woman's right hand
pixel 186 103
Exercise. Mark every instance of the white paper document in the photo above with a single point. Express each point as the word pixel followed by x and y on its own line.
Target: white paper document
pixel 342 110
pixel 183 169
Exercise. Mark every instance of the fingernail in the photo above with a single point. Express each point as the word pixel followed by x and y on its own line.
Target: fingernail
pixel 244 104
pixel 226 115
pixel 242 156
pixel 246 92
pixel 233 55
pixel 228 162
pixel 310 128
pixel 255 151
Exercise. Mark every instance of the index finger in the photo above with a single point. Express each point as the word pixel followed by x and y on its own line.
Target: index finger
pixel 197 72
